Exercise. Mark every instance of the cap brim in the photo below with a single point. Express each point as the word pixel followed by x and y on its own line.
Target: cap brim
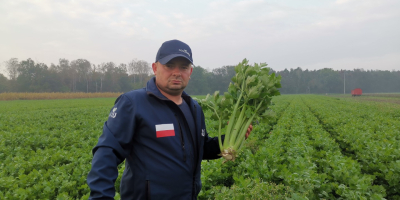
pixel 166 59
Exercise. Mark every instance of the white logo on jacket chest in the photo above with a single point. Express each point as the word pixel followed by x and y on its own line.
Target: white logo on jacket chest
pixel 113 113
pixel 203 132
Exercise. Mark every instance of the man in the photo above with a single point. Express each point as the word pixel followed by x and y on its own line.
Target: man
pixel 161 133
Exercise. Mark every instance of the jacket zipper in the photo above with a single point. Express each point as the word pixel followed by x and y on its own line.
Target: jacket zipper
pixel 196 139
pixel 148 190
pixel 182 140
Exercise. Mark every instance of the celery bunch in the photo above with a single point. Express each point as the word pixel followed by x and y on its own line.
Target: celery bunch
pixel 248 97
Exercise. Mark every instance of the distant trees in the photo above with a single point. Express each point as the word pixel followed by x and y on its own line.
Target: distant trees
pixel 81 75
pixel 137 69
pixel 72 76
pixel 297 81
pixel 32 77
pixel 82 69
pixel 221 77
pixel 12 69
pixel 198 83
pixel 3 83
pixel 203 82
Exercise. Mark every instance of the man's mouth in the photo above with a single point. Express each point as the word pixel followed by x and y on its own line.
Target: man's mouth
pixel 176 81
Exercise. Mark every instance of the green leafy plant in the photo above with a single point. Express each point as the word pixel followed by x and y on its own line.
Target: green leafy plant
pixel 248 97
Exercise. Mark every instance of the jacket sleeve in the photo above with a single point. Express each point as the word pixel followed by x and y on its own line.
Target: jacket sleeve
pixel 112 149
pixel 211 148
pixel 211 145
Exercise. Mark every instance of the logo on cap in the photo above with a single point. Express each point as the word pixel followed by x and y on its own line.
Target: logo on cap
pixel 184 51
pixel 172 49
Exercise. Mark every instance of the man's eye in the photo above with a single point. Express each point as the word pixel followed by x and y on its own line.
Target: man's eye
pixel 185 67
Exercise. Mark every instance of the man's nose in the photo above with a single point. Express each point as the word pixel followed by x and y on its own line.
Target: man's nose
pixel 176 70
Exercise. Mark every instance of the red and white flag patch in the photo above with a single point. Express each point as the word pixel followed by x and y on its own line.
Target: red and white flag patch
pixel 165 130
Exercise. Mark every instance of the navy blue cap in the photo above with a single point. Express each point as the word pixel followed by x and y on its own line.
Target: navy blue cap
pixel 172 49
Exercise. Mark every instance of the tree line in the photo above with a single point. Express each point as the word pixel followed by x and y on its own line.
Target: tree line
pixel 83 76
pixel 298 81
pixel 73 76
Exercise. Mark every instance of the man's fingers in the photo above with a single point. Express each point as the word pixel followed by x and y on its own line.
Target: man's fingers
pixel 248 131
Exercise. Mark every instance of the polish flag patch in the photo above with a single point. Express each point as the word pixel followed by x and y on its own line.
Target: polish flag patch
pixel 165 130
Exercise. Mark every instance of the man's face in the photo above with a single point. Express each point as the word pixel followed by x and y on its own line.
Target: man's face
pixel 173 77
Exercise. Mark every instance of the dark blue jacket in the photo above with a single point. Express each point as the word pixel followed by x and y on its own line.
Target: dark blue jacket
pixel 155 167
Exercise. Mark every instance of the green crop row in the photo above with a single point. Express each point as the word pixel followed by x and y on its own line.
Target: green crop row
pixel 221 180
pixel 366 133
pixel 315 148
pixel 45 147
pixel 298 159
pixel 310 161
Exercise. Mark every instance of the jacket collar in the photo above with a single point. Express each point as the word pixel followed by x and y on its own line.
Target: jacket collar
pixel 151 88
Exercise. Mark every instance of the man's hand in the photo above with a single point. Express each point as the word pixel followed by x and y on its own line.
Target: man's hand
pixel 248 131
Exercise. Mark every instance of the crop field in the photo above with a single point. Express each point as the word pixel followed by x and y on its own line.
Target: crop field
pixel 315 147
pixel 378 97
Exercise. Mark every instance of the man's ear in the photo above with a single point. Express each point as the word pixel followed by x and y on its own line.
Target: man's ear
pixel 191 70
pixel 154 66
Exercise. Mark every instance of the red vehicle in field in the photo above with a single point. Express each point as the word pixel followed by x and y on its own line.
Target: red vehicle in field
pixel 356 92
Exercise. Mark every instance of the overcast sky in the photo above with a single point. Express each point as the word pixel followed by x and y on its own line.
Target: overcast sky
pixel 311 34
